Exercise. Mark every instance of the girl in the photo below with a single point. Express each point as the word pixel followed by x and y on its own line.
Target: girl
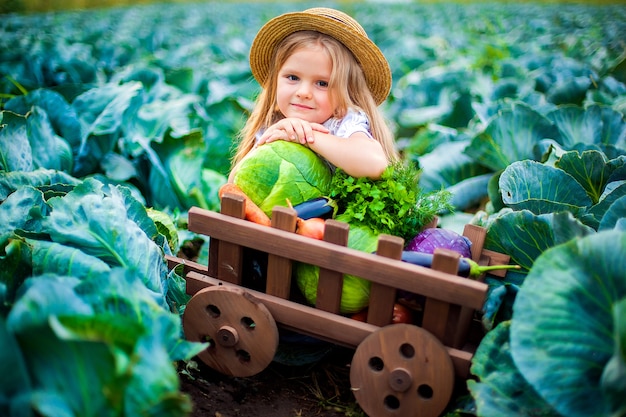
pixel 322 80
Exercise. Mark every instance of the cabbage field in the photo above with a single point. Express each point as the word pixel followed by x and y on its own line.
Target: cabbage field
pixel 114 122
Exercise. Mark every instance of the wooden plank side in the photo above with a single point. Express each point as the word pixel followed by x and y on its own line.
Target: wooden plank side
pixel 330 282
pixel 383 297
pixel 400 275
pixel 278 267
pixel 188 266
pixel 436 311
pixel 497 258
pixel 477 235
pixel 229 255
pixel 320 324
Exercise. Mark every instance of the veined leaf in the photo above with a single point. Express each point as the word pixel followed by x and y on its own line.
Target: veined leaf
pixel 153 387
pixel 100 345
pixel 121 292
pixel 614 191
pixel 62 116
pixel 96 220
pixel 501 389
pixel 15 151
pixel 542 189
pixel 55 258
pixel 23 209
pixel 184 173
pixel 49 150
pixel 101 109
pixel 562 332
pixel 524 236
pixel 154 119
pixel 44 296
pixel 101 112
pixel 592 125
pixel 447 165
pixel 44 179
pixel 590 169
pixel 511 136
pixel 615 216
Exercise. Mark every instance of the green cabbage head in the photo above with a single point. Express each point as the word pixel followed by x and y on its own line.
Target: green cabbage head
pixel 277 171
pixel 355 293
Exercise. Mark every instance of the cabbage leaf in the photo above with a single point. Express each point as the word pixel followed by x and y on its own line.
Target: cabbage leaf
pixel 565 332
pixel 279 171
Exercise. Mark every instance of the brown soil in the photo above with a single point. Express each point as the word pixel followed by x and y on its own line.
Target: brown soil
pixel 318 389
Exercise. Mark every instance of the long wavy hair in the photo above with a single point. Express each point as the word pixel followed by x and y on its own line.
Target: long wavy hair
pixel 347 89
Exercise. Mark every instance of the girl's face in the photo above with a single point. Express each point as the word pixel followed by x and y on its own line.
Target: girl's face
pixel 302 88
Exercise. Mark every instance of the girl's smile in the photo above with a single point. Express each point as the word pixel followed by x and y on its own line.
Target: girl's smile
pixel 302 88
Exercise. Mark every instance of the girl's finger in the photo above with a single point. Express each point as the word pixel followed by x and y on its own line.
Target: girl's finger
pixel 319 127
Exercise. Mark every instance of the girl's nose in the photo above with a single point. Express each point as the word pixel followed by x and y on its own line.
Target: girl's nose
pixel 304 90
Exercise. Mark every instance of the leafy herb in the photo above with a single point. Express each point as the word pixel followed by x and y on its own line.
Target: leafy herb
pixel 393 204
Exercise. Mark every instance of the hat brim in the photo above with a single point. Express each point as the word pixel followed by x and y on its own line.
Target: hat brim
pixel 372 61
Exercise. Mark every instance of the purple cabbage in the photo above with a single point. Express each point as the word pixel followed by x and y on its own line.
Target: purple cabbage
pixel 426 242
pixel 432 238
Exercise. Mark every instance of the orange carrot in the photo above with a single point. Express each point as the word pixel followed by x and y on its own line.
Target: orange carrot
pixel 253 212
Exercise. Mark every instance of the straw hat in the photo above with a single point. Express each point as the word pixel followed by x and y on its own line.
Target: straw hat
pixel 330 22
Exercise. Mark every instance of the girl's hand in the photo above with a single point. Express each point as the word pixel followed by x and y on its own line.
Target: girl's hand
pixel 291 129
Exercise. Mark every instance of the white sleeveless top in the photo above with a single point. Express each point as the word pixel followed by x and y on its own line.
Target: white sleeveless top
pixel 354 121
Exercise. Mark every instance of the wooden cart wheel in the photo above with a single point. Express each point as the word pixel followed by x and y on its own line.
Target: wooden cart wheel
pixel 241 332
pixel 402 370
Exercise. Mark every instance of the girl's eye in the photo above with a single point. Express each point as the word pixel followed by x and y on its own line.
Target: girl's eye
pixel 323 84
pixel 292 78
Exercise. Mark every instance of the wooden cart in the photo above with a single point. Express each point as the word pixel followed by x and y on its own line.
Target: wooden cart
pixel 396 370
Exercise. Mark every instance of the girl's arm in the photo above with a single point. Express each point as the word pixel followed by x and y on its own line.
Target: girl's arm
pixel 358 155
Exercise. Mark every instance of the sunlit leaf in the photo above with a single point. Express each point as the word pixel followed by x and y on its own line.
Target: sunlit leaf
pixel 524 236
pixel 511 136
pixel 542 189
pixel 562 332
pixel 96 220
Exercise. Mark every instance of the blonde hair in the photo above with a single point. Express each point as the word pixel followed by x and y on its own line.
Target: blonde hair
pixel 347 89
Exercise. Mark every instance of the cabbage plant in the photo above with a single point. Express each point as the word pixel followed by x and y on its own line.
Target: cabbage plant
pixel 89 323
pixel 563 352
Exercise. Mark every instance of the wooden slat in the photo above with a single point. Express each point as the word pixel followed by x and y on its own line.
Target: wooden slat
pixel 188 266
pixel 463 316
pixel 477 235
pixel 497 258
pixel 400 275
pixel 226 261
pixel 382 297
pixel 279 267
pixel 229 262
pixel 320 324
pixel 330 282
pixel 214 247
pixel 460 318
pixel 435 317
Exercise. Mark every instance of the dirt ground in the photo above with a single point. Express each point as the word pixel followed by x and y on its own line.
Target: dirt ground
pixel 317 389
